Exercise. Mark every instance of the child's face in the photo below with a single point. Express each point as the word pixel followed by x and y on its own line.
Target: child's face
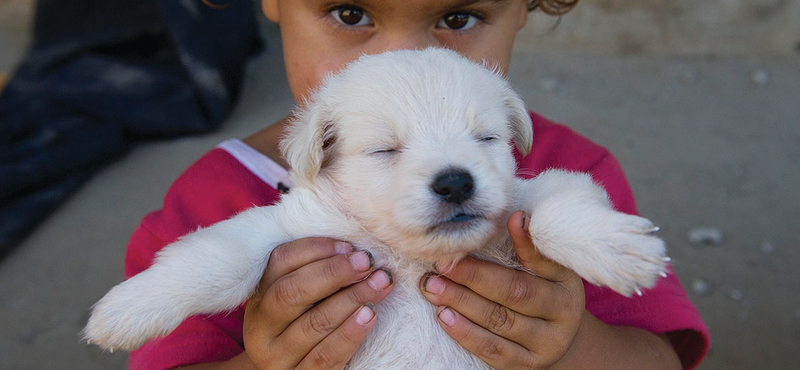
pixel 321 36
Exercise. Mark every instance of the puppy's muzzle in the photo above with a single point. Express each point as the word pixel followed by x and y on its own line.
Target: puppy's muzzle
pixel 453 186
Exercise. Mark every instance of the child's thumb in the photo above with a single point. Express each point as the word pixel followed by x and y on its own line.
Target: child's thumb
pixel 528 255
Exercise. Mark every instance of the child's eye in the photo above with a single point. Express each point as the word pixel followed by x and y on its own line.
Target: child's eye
pixel 457 21
pixel 351 16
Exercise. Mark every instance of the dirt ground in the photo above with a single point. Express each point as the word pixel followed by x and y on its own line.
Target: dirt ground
pixel 711 145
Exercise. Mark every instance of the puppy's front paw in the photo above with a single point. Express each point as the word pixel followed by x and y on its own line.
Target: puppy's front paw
pixel 574 224
pixel 129 315
pixel 628 257
pixel 606 248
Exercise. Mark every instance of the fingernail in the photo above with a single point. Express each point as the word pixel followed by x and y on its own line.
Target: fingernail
pixel 343 248
pixel 446 316
pixel 433 284
pixel 524 221
pixel 362 260
pixel 380 280
pixel 365 314
pixel 448 267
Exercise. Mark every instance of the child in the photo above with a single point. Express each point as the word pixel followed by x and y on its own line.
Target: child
pixel 315 302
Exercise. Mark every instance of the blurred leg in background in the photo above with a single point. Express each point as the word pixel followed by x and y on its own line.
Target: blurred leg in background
pixel 104 74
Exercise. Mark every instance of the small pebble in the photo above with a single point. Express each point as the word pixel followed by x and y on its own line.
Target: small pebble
pixel 549 85
pixel 700 287
pixel 766 247
pixel 705 236
pixel 759 77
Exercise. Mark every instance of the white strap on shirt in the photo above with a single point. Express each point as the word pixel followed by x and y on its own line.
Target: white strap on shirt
pixel 260 165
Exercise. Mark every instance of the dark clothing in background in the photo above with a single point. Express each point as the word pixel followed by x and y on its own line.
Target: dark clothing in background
pixel 102 75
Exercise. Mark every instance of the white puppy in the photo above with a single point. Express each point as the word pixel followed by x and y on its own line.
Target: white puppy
pixel 408 155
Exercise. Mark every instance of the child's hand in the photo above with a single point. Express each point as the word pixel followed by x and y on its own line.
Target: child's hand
pixel 510 319
pixel 312 310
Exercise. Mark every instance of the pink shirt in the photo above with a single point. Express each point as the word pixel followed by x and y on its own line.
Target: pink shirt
pixel 234 177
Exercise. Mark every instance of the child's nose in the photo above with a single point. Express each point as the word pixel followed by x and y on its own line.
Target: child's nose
pixel 405 40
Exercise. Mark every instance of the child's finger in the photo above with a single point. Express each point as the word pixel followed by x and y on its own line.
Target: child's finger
pixel 528 255
pixel 294 293
pixel 337 348
pixel 313 327
pixel 496 351
pixel 293 255
pixel 520 291
pixel 514 325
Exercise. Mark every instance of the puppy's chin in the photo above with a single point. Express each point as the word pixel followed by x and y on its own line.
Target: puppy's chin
pixel 445 243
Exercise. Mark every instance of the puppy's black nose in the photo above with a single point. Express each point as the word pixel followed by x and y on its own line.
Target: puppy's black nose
pixel 454 186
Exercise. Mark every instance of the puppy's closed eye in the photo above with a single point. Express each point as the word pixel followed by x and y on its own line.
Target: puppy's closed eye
pixel 386 151
pixel 487 138
pixel 384 148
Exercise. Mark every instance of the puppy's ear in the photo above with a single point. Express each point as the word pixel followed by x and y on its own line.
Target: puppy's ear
pixel 520 120
pixel 307 140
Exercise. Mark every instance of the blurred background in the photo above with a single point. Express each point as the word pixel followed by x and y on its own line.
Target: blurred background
pixel 697 99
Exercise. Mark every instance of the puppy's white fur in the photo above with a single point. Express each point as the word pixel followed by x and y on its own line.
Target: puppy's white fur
pixel 364 153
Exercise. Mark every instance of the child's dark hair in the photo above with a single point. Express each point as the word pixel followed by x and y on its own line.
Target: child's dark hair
pixel 552 7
